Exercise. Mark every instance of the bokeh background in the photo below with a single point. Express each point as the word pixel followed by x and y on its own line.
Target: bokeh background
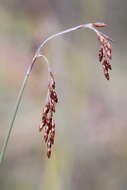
pixel 90 151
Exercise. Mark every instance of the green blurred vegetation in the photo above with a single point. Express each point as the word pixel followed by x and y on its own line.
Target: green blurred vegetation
pixel 91 124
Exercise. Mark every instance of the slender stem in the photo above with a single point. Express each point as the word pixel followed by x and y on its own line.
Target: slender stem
pixel 2 153
pixel 56 35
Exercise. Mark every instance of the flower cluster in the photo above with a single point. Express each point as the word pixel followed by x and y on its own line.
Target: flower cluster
pixel 105 55
pixel 48 124
pixel 105 52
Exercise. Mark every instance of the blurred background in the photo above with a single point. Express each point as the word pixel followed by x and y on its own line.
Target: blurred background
pixel 90 151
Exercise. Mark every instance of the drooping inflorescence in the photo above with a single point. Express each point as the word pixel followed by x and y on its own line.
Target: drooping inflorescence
pixel 48 123
pixel 105 52
pixel 105 55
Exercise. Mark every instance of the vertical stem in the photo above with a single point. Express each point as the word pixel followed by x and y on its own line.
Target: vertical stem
pixel 2 153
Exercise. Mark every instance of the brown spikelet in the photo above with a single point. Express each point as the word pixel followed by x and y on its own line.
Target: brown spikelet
pixel 99 24
pixel 105 52
pixel 48 123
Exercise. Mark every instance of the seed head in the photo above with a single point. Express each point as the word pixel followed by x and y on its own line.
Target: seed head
pixel 105 52
pixel 48 123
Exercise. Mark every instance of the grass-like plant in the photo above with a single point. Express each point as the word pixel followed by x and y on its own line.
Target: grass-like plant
pixel 47 122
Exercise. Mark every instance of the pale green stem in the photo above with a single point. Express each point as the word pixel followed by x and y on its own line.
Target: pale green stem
pixel 2 153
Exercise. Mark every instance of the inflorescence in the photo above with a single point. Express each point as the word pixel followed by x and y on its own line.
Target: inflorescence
pixel 48 123
pixel 105 55
pixel 105 52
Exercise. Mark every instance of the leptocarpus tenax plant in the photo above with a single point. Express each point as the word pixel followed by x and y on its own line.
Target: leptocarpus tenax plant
pixel 47 122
